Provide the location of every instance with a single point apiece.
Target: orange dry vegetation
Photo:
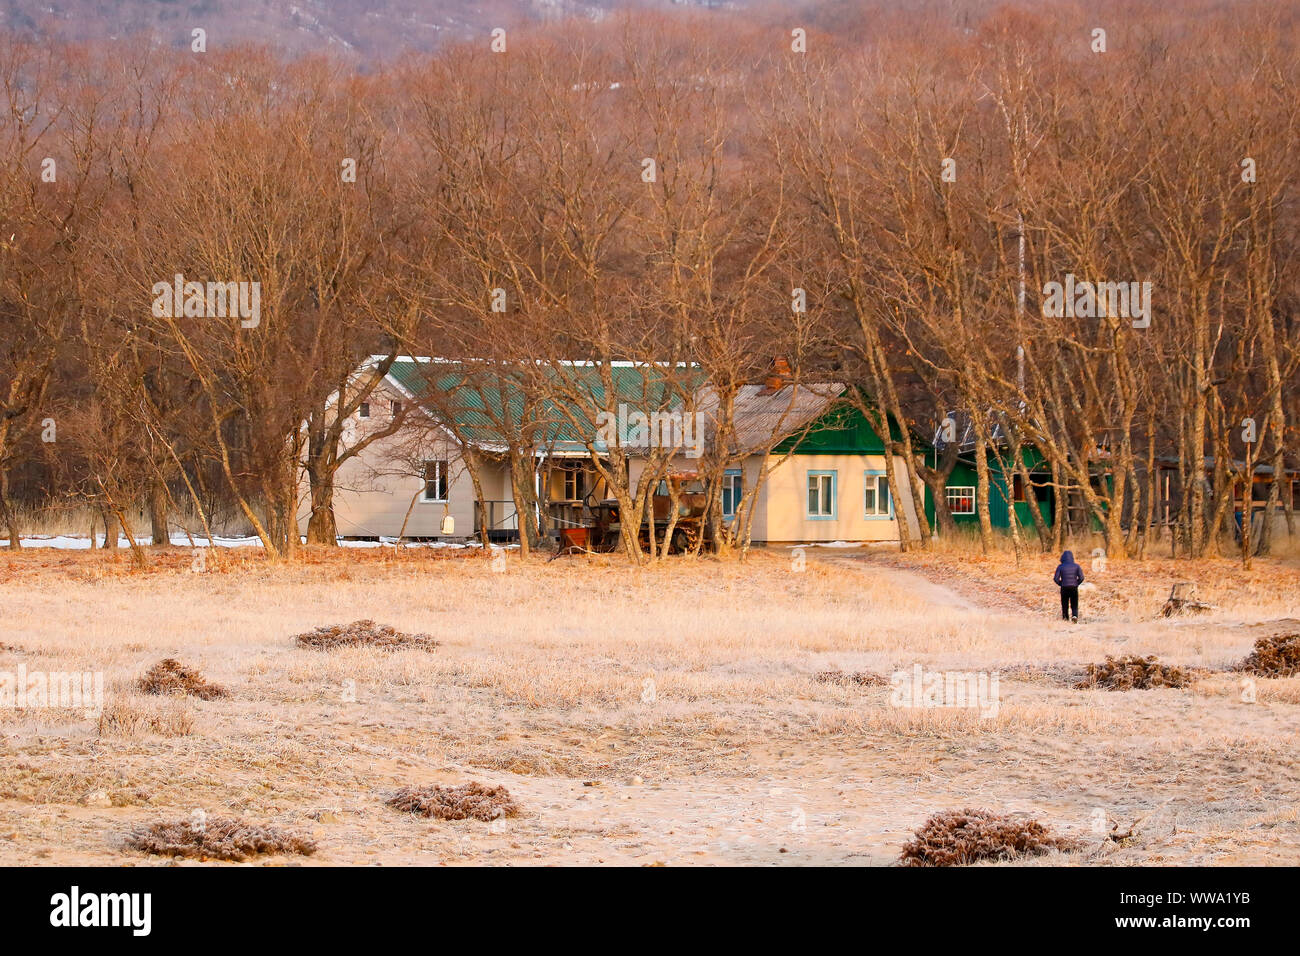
(170, 676)
(364, 633)
(319, 563)
(959, 837)
(219, 839)
(1277, 656)
(1131, 672)
(668, 714)
(469, 800)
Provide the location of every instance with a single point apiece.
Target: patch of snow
(828, 544)
(81, 542)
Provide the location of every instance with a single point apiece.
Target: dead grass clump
(217, 839)
(525, 763)
(855, 679)
(959, 837)
(133, 716)
(170, 676)
(1131, 672)
(1274, 657)
(456, 803)
(363, 634)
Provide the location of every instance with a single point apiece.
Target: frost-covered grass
(636, 714)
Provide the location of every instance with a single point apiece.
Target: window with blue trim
(821, 494)
(876, 501)
(733, 490)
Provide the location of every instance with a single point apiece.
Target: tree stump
(1182, 599)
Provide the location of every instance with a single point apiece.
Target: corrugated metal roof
(485, 401)
(763, 416)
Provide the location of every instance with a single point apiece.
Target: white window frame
(948, 497)
(820, 515)
(363, 410)
(442, 474)
(881, 482)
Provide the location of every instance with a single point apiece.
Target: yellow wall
(785, 501)
(781, 509)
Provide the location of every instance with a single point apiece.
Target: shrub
(170, 676)
(363, 634)
(1135, 673)
(959, 837)
(456, 803)
(217, 839)
(1274, 657)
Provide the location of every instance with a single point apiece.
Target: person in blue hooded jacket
(1068, 577)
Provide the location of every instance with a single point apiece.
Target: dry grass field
(669, 715)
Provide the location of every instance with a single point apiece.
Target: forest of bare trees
(887, 208)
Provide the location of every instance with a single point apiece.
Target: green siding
(964, 474)
(843, 430)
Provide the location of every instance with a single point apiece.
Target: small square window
(397, 409)
(363, 410)
(961, 499)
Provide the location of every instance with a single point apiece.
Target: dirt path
(912, 581)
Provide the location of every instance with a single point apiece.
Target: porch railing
(498, 517)
(501, 519)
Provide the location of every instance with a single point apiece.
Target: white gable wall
(374, 489)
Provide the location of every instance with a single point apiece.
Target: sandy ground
(663, 715)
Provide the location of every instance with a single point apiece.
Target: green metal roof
(481, 402)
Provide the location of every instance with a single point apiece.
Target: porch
(502, 519)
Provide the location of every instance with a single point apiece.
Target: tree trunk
(110, 529)
(9, 516)
(1031, 500)
(158, 515)
(322, 530)
(892, 406)
(1060, 514)
(401, 532)
(982, 485)
(1197, 459)
(522, 492)
(138, 556)
(476, 479)
(895, 481)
